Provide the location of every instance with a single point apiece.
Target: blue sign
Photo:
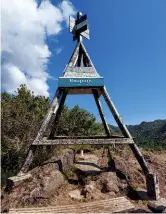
(80, 82)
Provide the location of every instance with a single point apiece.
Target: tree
(21, 115)
(77, 122)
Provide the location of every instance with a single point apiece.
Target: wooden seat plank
(119, 204)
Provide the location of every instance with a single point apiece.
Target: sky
(127, 47)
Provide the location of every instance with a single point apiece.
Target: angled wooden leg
(53, 109)
(99, 106)
(58, 114)
(29, 159)
(125, 131)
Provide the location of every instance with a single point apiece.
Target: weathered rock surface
(51, 183)
(90, 191)
(5, 203)
(46, 180)
(76, 194)
(157, 206)
(88, 164)
(108, 182)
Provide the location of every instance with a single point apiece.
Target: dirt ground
(118, 159)
(124, 161)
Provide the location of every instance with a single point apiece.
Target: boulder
(60, 162)
(76, 194)
(67, 158)
(158, 205)
(111, 187)
(112, 194)
(51, 183)
(90, 187)
(108, 182)
(90, 191)
(43, 182)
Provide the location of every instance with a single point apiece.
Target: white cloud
(25, 53)
(67, 10)
(58, 50)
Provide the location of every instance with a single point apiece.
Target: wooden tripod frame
(81, 59)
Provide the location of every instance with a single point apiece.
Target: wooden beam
(80, 59)
(86, 137)
(89, 62)
(140, 158)
(85, 141)
(125, 131)
(115, 114)
(52, 110)
(99, 106)
(58, 114)
(28, 159)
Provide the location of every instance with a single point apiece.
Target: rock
(88, 164)
(112, 194)
(108, 177)
(108, 182)
(90, 187)
(158, 205)
(123, 184)
(43, 183)
(67, 158)
(5, 203)
(111, 187)
(90, 191)
(76, 194)
(36, 193)
(51, 183)
(60, 162)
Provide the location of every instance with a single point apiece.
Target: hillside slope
(148, 134)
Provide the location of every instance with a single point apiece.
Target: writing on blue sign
(80, 80)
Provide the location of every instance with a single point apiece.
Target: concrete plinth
(152, 185)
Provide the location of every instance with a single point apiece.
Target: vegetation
(150, 135)
(22, 116)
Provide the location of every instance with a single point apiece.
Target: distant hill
(148, 134)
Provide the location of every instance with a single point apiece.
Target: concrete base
(152, 184)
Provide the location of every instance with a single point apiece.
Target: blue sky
(127, 47)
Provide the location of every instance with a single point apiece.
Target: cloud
(67, 10)
(58, 50)
(25, 53)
